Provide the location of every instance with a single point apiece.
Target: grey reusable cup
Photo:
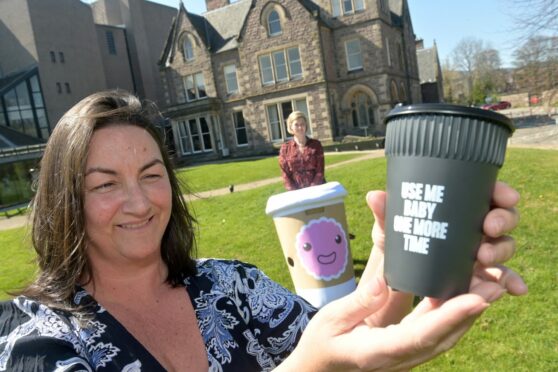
(442, 163)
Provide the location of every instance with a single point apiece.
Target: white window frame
(348, 56)
(346, 7)
(274, 21)
(273, 64)
(230, 76)
(237, 128)
(197, 81)
(185, 135)
(298, 103)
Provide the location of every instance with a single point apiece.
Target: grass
(516, 334)
(219, 175)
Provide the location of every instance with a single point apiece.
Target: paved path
(21, 220)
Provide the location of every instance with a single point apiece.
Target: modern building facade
(234, 74)
(73, 49)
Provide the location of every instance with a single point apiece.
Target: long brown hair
(58, 230)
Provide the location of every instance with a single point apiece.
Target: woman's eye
(152, 176)
(104, 187)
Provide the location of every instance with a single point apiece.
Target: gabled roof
(428, 65)
(226, 25)
(219, 30)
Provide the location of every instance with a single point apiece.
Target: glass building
(22, 106)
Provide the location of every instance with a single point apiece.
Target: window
(110, 42)
(194, 135)
(58, 88)
(22, 109)
(362, 111)
(281, 65)
(187, 49)
(402, 93)
(345, 7)
(68, 90)
(230, 78)
(240, 128)
(353, 53)
(194, 87)
(52, 57)
(273, 24)
(61, 57)
(277, 114)
(388, 52)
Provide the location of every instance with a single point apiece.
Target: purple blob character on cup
(322, 248)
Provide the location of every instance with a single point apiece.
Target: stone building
(234, 74)
(430, 73)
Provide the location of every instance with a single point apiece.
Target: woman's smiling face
(128, 198)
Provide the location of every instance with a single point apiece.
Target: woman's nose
(136, 201)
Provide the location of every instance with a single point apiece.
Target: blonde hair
(293, 117)
(58, 230)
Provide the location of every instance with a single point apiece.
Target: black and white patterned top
(247, 321)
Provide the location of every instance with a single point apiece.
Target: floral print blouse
(247, 321)
(302, 169)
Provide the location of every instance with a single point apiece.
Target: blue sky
(445, 21)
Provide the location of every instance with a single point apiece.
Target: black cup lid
(446, 109)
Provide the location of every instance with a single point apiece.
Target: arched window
(274, 23)
(187, 48)
(362, 111)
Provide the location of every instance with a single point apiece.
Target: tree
(536, 64)
(535, 16)
(480, 66)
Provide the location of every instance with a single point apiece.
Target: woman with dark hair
(118, 287)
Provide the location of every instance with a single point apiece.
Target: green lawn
(215, 176)
(515, 334)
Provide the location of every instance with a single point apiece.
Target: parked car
(502, 105)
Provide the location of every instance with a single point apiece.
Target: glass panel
(190, 91)
(280, 66)
(34, 83)
(294, 62)
(274, 122)
(38, 99)
(363, 120)
(335, 8)
(286, 109)
(111, 46)
(347, 6)
(194, 131)
(188, 50)
(206, 134)
(240, 127)
(11, 100)
(230, 78)
(267, 70)
(200, 84)
(359, 4)
(354, 58)
(274, 23)
(184, 138)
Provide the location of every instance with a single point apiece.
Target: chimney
(215, 4)
(419, 44)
